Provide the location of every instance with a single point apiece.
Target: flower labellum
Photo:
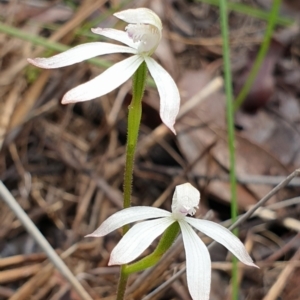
(198, 264)
(141, 37)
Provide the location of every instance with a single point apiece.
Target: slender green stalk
(134, 120)
(260, 56)
(122, 285)
(230, 128)
(164, 244)
(250, 11)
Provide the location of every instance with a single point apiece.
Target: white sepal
(168, 92)
(138, 239)
(126, 216)
(223, 236)
(79, 54)
(198, 264)
(140, 16)
(109, 80)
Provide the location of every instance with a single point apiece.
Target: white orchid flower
(142, 37)
(198, 264)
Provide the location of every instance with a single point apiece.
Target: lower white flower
(198, 264)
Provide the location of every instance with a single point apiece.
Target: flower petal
(223, 236)
(137, 240)
(78, 54)
(168, 92)
(105, 82)
(126, 216)
(118, 35)
(140, 16)
(185, 200)
(198, 264)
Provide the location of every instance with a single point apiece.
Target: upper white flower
(198, 264)
(142, 37)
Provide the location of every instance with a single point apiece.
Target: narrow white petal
(138, 239)
(168, 92)
(223, 236)
(126, 216)
(78, 54)
(117, 35)
(105, 82)
(198, 264)
(140, 16)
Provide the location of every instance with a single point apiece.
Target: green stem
(230, 126)
(122, 285)
(134, 120)
(164, 244)
(260, 56)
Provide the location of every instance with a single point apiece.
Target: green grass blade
(260, 56)
(230, 128)
(250, 11)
